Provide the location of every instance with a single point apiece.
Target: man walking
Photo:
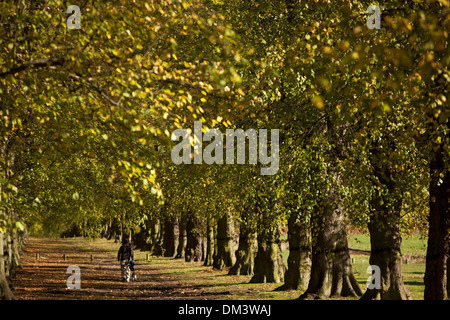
(124, 256)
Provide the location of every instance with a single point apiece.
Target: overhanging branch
(39, 63)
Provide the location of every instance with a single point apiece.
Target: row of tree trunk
(11, 245)
(319, 261)
(11, 239)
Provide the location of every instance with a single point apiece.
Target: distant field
(412, 245)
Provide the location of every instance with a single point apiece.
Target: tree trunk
(384, 227)
(224, 256)
(169, 237)
(142, 239)
(437, 272)
(5, 290)
(120, 235)
(194, 243)
(385, 243)
(448, 274)
(114, 231)
(182, 237)
(331, 268)
(210, 242)
(299, 260)
(157, 236)
(247, 249)
(245, 255)
(107, 230)
(9, 256)
(16, 250)
(269, 264)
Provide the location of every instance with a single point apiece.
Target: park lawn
(237, 287)
(413, 273)
(160, 277)
(413, 245)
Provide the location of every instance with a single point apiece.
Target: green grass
(197, 276)
(412, 273)
(411, 245)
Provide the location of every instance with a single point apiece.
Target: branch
(39, 63)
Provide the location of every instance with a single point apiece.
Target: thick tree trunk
(120, 234)
(16, 248)
(437, 272)
(210, 242)
(157, 235)
(245, 255)
(113, 232)
(169, 237)
(9, 256)
(182, 236)
(248, 246)
(299, 260)
(269, 264)
(142, 240)
(384, 228)
(331, 268)
(385, 242)
(176, 230)
(107, 230)
(5, 290)
(224, 256)
(194, 243)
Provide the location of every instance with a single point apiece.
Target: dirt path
(100, 278)
(159, 278)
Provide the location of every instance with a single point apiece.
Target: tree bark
(247, 248)
(169, 237)
(437, 271)
(384, 226)
(16, 248)
(269, 264)
(142, 240)
(157, 235)
(299, 260)
(331, 268)
(113, 232)
(210, 242)
(194, 243)
(5, 290)
(182, 236)
(224, 256)
(245, 255)
(107, 230)
(385, 252)
(9, 256)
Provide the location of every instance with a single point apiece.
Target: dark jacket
(125, 253)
